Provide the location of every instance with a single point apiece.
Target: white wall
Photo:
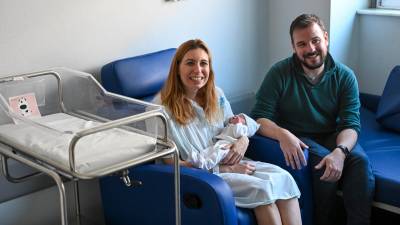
(379, 50)
(84, 35)
(344, 31)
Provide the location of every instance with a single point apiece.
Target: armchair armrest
(205, 197)
(268, 150)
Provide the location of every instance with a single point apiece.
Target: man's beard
(312, 66)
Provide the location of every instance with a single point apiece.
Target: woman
(196, 111)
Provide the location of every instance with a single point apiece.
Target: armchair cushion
(388, 113)
(138, 77)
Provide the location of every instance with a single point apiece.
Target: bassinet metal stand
(6, 153)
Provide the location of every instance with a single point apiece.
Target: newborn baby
(238, 126)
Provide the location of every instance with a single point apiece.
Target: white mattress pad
(93, 152)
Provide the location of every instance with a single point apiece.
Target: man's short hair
(305, 20)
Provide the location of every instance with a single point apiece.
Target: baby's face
(237, 119)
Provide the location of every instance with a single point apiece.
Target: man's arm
(349, 124)
(292, 147)
(334, 161)
(265, 110)
(268, 128)
(347, 138)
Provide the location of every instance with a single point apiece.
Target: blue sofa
(383, 149)
(206, 198)
(380, 138)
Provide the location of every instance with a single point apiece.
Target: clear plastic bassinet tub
(64, 121)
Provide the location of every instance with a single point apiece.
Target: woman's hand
(236, 151)
(244, 168)
(181, 162)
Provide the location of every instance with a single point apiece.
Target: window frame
(388, 4)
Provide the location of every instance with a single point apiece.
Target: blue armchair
(206, 198)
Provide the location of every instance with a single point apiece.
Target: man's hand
(292, 148)
(244, 168)
(236, 151)
(333, 163)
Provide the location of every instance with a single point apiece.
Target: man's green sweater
(289, 99)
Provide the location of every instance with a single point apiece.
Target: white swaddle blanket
(210, 156)
(92, 152)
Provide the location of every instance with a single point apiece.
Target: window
(388, 4)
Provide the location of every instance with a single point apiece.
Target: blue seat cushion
(383, 149)
(388, 113)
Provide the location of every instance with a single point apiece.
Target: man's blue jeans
(357, 184)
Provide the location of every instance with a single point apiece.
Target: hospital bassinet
(65, 125)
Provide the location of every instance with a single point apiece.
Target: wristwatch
(344, 149)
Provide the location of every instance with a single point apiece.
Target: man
(311, 101)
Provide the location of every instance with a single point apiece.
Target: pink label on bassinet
(24, 105)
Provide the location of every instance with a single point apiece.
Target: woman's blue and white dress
(196, 144)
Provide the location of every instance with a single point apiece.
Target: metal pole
(177, 188)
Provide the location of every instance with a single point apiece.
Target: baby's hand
(227, 146)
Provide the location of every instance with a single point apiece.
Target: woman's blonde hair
(173, 92)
